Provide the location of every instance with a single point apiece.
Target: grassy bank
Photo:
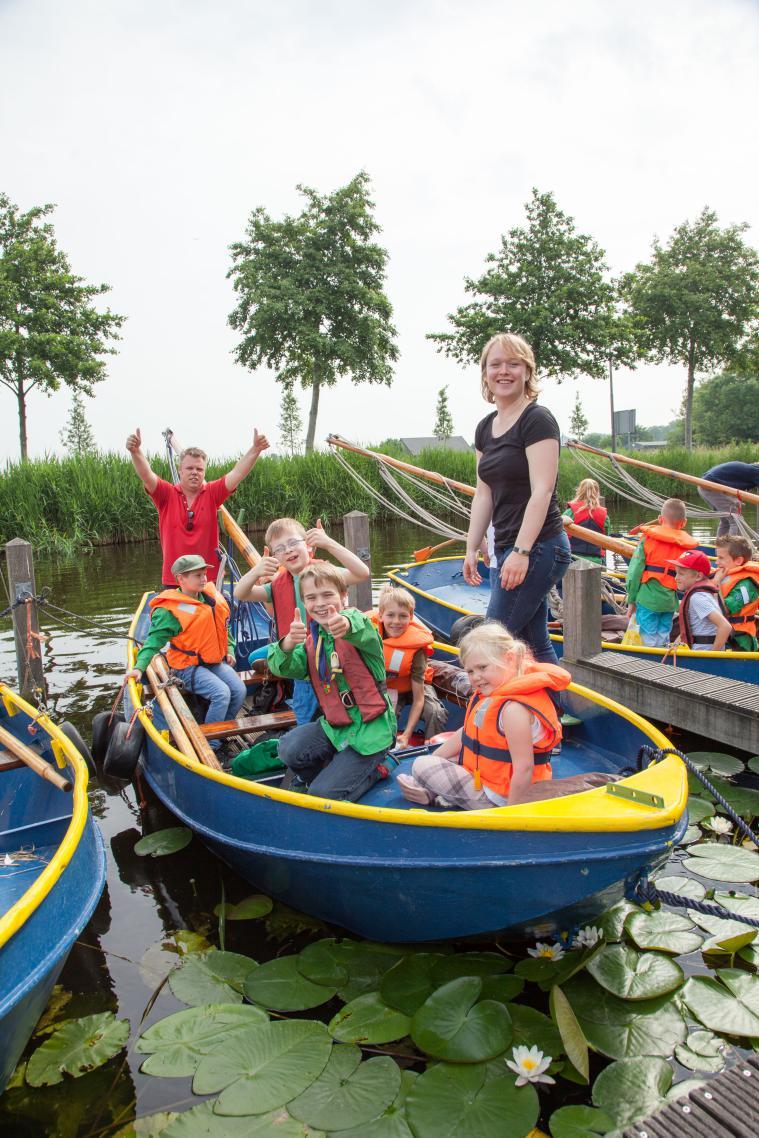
(65, 504)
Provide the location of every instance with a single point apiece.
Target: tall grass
(61, 505)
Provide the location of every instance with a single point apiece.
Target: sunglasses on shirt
(190, 523)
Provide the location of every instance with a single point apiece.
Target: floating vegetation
(77, 1047)
(163, 842)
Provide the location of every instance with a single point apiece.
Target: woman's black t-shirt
(505, 469)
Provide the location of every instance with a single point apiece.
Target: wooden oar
(615, 544)
(201, 746)
(37, 764)
(423, 554)
(173, 722)
(430, 475)
(741, 495)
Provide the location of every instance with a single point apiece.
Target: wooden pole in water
(201, 746)
(581, 590)
(34, 761)
(26, 627)
(356, 536)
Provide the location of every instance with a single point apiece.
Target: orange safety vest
(203, 638)
(746, 619)
(283, 602)
(485, 748)
(662, 544)
(399, 651)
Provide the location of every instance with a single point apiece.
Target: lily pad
(667, 932)
(202, 1122)
(502, 988)
(727, 1005)
(454, 1024)
(175, 1045)
(723, 863)
(409, 982)
(743, 799)
(579, 1122)
(211, 978)
(249, 909)
(532, 1028)
(78, 1046)
(147, 1125)
(392, 1122)
(612, 923)
(753, 764)
(368, 1019)
(632, 1088)
(269, 1065)
(572, 1037)
(469, 964)
(683, 886)
(635, 975)
(159, 960)
(716, 762)
(699, 809)
(691, 835)
(163, 842)
(367, 964)
(348, 1093)
(727, 936)
(278, 984)
(702, 1051)
(325, 962)
(461, 1102)
(621, 1029)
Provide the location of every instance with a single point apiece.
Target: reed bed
(62, 505)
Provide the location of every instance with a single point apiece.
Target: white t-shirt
(699, 606)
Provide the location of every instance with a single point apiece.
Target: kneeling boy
(703, 623)
(406, 644)
(194, 620)
(338, 756)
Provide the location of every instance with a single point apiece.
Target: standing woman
(517, 449)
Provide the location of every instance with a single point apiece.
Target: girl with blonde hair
(585, 510)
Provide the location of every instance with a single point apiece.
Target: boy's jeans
(218, 683)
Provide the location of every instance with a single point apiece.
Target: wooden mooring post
(26, 628)
(356, 536)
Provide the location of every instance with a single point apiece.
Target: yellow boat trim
(593, 811)
(638, 649)
(18, 914)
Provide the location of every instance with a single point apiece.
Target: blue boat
(442, 597)
(52, 871)
(391, 872)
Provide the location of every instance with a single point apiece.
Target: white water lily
(530, 1065)
(588, 937)
(719, 825)
(543, 951)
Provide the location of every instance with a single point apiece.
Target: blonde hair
(674, 508)
(495, 643)
(324, 573)
(394, 595)
(522, 350)
(192, 452)
(280, 526)
(735, 545)
(589, 492)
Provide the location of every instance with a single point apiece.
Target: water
(145, 899)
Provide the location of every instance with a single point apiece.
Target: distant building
(426, 442)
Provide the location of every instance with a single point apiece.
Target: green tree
(311, 300)
(726, 410)
(578, 424)
(77, 436)
(50, 332)
(443, 428)
(549, 284)
(697, 300)
(290, 423)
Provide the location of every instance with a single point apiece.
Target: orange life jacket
(485, 748)
(662, 544)
(203, 638)
(746, 619)
(364, 691)
(283, 602)
(400, 651)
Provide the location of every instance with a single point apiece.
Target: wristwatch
(524, 552)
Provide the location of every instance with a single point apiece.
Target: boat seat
(9, 762)
(249, 725)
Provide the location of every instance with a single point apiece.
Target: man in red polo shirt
(187, 512)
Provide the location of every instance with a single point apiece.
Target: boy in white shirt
(703, 623)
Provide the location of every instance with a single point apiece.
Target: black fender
(123, 753)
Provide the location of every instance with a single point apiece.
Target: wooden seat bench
(249, 725)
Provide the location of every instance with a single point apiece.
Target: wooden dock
(724, 710)
(726, 1106)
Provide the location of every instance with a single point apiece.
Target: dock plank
(726, 1106)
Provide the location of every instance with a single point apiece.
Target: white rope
(386, 503)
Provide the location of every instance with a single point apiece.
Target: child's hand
(718, 575)
(401, 739)
(336, 624)
(298, 632)
(316, 538)
(134, 674)
(630, 611)
(267, 567)
(230, 659)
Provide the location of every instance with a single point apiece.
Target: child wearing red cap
(703, 623)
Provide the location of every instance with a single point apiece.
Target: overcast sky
(156, 126)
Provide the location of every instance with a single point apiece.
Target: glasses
(286, 546)
(190, 523)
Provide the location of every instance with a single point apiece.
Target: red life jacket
(662, 544)
(283, 602)
(594, 519)
(686, 630)
(485, 748)
(746, 619)
(363, 690)
(203, 637)
(399, 651)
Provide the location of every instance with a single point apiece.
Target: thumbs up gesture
(317, 538)
(260, 443)
(336, 624)
(134, 441)
(297, 634)
(266, 568)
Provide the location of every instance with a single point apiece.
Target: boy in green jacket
(340, 651)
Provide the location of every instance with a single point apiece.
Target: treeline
(63, 505)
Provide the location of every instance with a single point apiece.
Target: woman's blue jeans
(524, 610)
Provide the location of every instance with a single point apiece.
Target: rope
(646, 894)
(387, 504)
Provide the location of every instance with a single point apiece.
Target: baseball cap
(188, 563)
(694, 559)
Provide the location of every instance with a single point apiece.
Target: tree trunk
(21, 400)
(313, 412)
(689, 396)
